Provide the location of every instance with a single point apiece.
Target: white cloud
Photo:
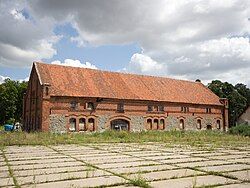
(24, 39)
(2, 78)
(17, 14)
(74, 63)
(144, 64)
(238, 47)
(186, 38)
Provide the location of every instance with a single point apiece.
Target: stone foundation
(58, 124)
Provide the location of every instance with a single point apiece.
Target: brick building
(70, 99)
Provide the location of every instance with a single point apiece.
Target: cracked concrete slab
(117, 164)
(91, 182)
(192, 182)
(223, 168)
(151, 176)
(241, 175)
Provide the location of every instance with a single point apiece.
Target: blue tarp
(8, 127)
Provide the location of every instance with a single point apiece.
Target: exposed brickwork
(44, 111)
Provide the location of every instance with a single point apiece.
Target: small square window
(150, 108)
(208, 110)
(73, 104)
(161, 108)
(90, 106)
(120, 107)
(185, 109)
(156, 108)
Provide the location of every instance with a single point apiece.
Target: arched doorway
(119, 125)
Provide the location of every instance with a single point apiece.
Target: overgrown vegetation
(243, 130)
(201, 138)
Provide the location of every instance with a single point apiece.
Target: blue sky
(185, 40)
(105, 57)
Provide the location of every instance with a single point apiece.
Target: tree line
(11, 99)
(238, 96)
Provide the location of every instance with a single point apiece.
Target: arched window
(82, 124)
(91, 124)
(198, 124)
(72, 124)
(182, 124)
(156, 124)
(218, 124)
(149, 124)
(162, 124)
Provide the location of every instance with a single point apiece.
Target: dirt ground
(124, 165)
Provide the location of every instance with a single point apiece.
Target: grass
(200, 139)
(140, 181)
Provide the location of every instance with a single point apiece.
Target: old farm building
(70, 99)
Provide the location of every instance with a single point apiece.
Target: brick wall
(43, 112)
(135, 112)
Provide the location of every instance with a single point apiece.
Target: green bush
(243, 130)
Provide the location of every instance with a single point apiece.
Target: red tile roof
(83, 82)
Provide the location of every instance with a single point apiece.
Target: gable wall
(32, 104)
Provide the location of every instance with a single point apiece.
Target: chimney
(198, 80)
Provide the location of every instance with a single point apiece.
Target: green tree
(236, 96)
(244, 91)
(11, 100)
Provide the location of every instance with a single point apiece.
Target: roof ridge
(115, 72)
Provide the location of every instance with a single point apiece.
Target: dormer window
(90, 106)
